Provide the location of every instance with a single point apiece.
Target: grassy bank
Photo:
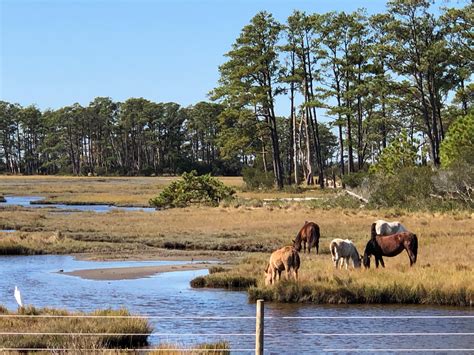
(100, 343)
(137, 325)
(219, 348)
(442, 276)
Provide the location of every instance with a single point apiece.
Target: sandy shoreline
(130, 273)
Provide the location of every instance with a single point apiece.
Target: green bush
(409, 188)
(459, 142)
(192, 188)
(255, 178)
(401, 153)
(355, 179)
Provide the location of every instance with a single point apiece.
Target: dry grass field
(243, 235)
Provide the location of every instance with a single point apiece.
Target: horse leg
(381, 261)
(296, 274)
(304, 244)
(411, 256)
(376, 262)
(411, 248)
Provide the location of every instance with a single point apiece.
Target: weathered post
(259, 329)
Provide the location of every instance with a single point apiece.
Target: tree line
(374, 75)
(408, 68)
(106, 137)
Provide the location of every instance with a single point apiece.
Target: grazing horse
(309, 233)
(345, 250)
(286, 258)
(391, 245)
(382, 227)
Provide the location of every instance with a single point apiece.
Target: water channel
(169, 294)
(32, 201)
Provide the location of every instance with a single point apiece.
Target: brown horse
(309, 233)
(286, 258)
(391, 245)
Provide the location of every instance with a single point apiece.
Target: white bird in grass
(18, 296)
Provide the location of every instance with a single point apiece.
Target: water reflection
(30, 201)
(169, 294)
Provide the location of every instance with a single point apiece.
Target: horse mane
(298, 236)
(371, 247)
(373, 231)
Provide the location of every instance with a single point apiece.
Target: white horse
(345, 250)
(382, 227)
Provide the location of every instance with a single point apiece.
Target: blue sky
(58, 52)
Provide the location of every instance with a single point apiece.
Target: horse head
(367, 253)
(357, 261)
(297, 244)
(366, 260)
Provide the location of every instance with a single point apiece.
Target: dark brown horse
(391, 245)
(309, 233)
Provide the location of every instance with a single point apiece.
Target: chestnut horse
(391, 245)
(309, 233)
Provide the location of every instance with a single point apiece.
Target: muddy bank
(130, 273)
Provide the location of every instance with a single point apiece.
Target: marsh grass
(441, 276)
(204, 229)
(206, 348)
(438, 278)
(137, 325)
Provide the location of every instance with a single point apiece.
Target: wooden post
(259, 329)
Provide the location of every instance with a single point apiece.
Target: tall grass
(442, 276)
(139, 326)
(218, 348)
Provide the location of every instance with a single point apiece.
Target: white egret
(18, 296)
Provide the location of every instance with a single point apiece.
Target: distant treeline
(376, 76)
(130, 138)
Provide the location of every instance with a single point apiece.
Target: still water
(169, 294)
(25, 201)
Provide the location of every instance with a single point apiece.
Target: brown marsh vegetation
(136, 325)
(442, 275)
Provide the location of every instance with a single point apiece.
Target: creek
(169, 294)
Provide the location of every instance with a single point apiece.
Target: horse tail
(415, 247)
(296, 261)
(316, 236)
(373, 231)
